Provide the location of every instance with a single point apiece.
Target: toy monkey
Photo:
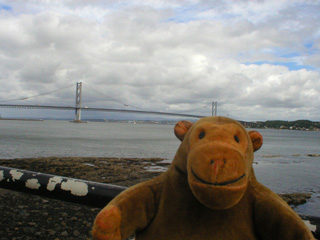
(209, 192)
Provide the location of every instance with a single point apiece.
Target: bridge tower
(77, 117)
(214, 108)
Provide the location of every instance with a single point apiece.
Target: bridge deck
(96, 109)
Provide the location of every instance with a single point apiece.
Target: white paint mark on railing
(16, 175)
(53, 182)
(76, 187)
(33, 183)
(1, 175)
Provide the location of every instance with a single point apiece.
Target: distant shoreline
(21, 119)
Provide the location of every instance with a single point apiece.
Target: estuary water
(282, 163)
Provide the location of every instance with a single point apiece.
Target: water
(282, 162)
(283, 165)
(61, 138)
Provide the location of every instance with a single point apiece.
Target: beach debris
(313, 155)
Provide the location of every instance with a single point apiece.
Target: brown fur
(209, 192)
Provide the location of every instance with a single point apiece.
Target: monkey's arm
(130, 211)
(275, 220)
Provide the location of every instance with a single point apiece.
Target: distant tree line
(298, 124)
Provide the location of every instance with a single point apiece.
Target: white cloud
(166, 56)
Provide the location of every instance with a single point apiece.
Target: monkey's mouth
(217, 183)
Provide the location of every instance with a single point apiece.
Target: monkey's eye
(202, 134)
(236, 138)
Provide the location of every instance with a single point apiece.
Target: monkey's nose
(217, 164)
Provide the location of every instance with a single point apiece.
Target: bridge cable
(38, 95)
(225, 112)
(108, 97)
(192, 109)
(125, 104)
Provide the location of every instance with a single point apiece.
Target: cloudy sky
(258, 59)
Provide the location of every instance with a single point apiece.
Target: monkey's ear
(181, 128)
(256, 140)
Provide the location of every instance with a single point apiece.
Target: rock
(57, 227)
(51, 232)
(64, 224)
(313, 155)
(23, 213)
(295, 198)
(76, 233)
(64, 234)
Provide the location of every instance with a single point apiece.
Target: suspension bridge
(78, 108)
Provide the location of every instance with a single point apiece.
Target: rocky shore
(24, 216)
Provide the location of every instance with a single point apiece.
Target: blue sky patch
(290, 65)
(290, 55)
(5, 7)
(308, 45)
